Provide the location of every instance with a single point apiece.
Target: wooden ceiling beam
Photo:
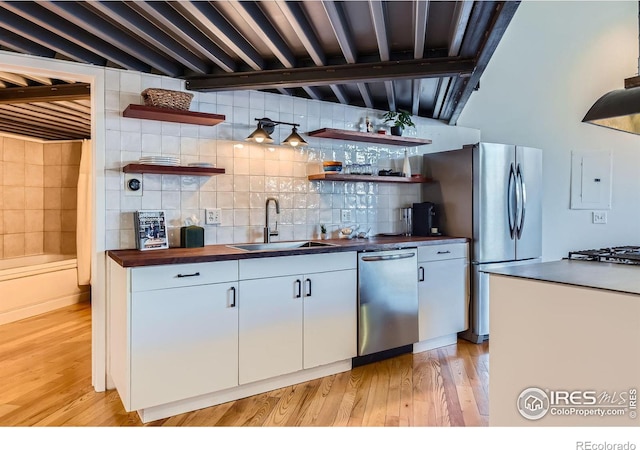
(339, 74)
(503, 13)
(58, 92)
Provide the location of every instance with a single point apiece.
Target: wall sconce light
(266, 126)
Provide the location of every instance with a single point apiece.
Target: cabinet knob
(420, 273)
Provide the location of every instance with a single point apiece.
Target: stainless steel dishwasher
(387, 300)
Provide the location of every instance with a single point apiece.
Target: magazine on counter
(151, 230)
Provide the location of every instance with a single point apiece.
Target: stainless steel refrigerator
(491, 194)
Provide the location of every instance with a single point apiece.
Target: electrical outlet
(599, 217)
(133, 184)
(212, 216)
(345, 215)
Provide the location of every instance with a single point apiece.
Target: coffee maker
(425, 219)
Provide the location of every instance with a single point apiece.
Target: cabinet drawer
(442, 251)
(180, 275)
(292, 265)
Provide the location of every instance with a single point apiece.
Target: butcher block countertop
(590, 274)
(225, 252)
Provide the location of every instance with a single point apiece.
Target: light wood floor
(45, 374)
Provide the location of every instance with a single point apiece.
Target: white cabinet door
(330, 317)
(442, 297)
(270, 332)
(184, 343)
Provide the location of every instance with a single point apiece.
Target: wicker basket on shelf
(164, 98)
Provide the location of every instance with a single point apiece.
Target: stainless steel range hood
(619, 109)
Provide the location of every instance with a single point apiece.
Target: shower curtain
(85, 217)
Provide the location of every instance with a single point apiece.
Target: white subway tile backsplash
(300, 232)
(256, 217)
(187, 130)
(241, 200)
(170, 183)
(189, 200)
(150, 81)
(171, 200)
(253, 172)
(150, 143)
(130, 141)
(130, 203)
(241, 217)
(152, 199)
(173, 84)
(224, 200)
(256, 166)
(271, 167)
(241, 166)
(170, 129)
(127, 239)
(112, 100)
(257, 200)
(256, 101)
(130, 82)
(151, 127)
(188, 146)
(325, 216)
(170, 145)
(210, 235)
(241, 183)
(210, 132)
(257, 183)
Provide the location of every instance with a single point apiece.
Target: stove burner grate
(628, 254)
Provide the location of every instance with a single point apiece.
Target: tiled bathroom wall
(254, 172)
(61, 169)
(37, 197)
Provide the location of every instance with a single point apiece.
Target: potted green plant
(400, 120)
(323, 232)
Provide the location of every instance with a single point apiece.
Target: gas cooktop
(628, 254)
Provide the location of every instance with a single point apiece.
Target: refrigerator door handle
(511, 195)
(523, 200)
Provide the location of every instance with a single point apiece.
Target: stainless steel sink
(292, 245)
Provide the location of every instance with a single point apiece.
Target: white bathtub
(33, 285)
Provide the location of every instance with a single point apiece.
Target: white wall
(254, 172)
(555, 60)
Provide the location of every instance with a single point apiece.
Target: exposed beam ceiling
(345, 73)
(423, 56)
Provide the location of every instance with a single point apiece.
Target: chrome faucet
(267, 230)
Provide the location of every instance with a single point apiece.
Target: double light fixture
(619, 109)
(266, 126)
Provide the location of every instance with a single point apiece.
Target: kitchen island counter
(564, 335)
(598, 275)
(226, 252)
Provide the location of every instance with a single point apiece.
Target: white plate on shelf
(160, 160)
(201, 164)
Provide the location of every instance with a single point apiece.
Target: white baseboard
(247, 390)
(442, 341)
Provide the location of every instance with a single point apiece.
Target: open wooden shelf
(377, 179)
(374, 138)
(172, 115)
(171, 170)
